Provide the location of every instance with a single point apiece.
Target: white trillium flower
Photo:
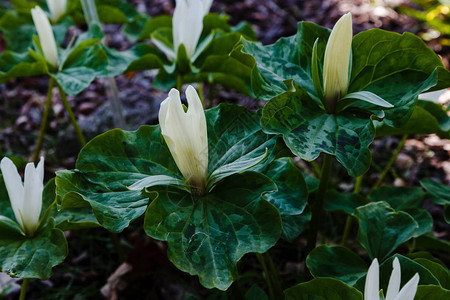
(186, 136)
(337, 60)
(45, 33)
(371, 290)
(57, 8)
(26, 198)
(187, 24)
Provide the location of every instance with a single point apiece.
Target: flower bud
(371, 289)
(57, 8)
(187, 24)
(337, 61)
(45, 33)
(26, 199)
(186, 136)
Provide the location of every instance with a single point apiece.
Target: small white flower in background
(186, 136)
(26, 198)
(371, 290)
(187, 24)
(45, 33)
(57, 8)
(337, 59)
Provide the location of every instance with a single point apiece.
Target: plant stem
(179, 82)
(72, 118)
(266, 275)
(318, 202)
(348, 222)
(23, 289)
(48, 104)
(277, 289)
(391, 161)
(116, 241)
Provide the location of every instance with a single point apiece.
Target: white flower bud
(371, 289)
(57, 8)
(337, 60)
(187, 24)
(186, 136)
(26, 199)
(45, 33)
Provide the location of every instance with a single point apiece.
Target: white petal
(394, 281)
(57, 8)
(187, 24)
(371, 289)
(32, 205)
(409, 290)
(186, 135)
(337, 58)
(207, 6)
(14, 186)
(45, 33)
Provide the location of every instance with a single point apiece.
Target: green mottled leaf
(440, 272)
(431, 292)
(430, 242)
(440, 193)
(408, 269)
(345, 202)
(291, 197)
(308, 131)
(112, 162)
(208, 235)
(382, 229)
(31, 257)
(399, 197)
(428, 117)
(423, 219)
(336, 262)
(323, 289)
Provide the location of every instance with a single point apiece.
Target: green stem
(266, 275)
(316, 168)
(211, 95)
(48, 104)
(116, 241)
(72, 118)
(179, 85)
(348, 222)
(318, 202)
(277, 289)
(23, 289)
(391, 161)
(200, 94)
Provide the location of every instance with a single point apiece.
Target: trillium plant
(225, 192)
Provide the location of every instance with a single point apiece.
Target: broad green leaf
(431, 292)
(345, 202)
(408, 269)
(31, 257)
(291, 197)
(323, 289)
(440, 193)
(382, 229)
(423, 219)
(399, 197)
(441, 273)
(15, 65)
(427, 117)
(308, 131)
(141, 27)
(336, 262)
(206, 236)
(255, 292)
(430, 242)
(115, 160)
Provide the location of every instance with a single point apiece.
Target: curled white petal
(185, 134)
(394, 281)
(409, 289)
(26, 199)
(57, 8)
(187, 24)
(371, 289)
(337, 59)
(45, 33)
